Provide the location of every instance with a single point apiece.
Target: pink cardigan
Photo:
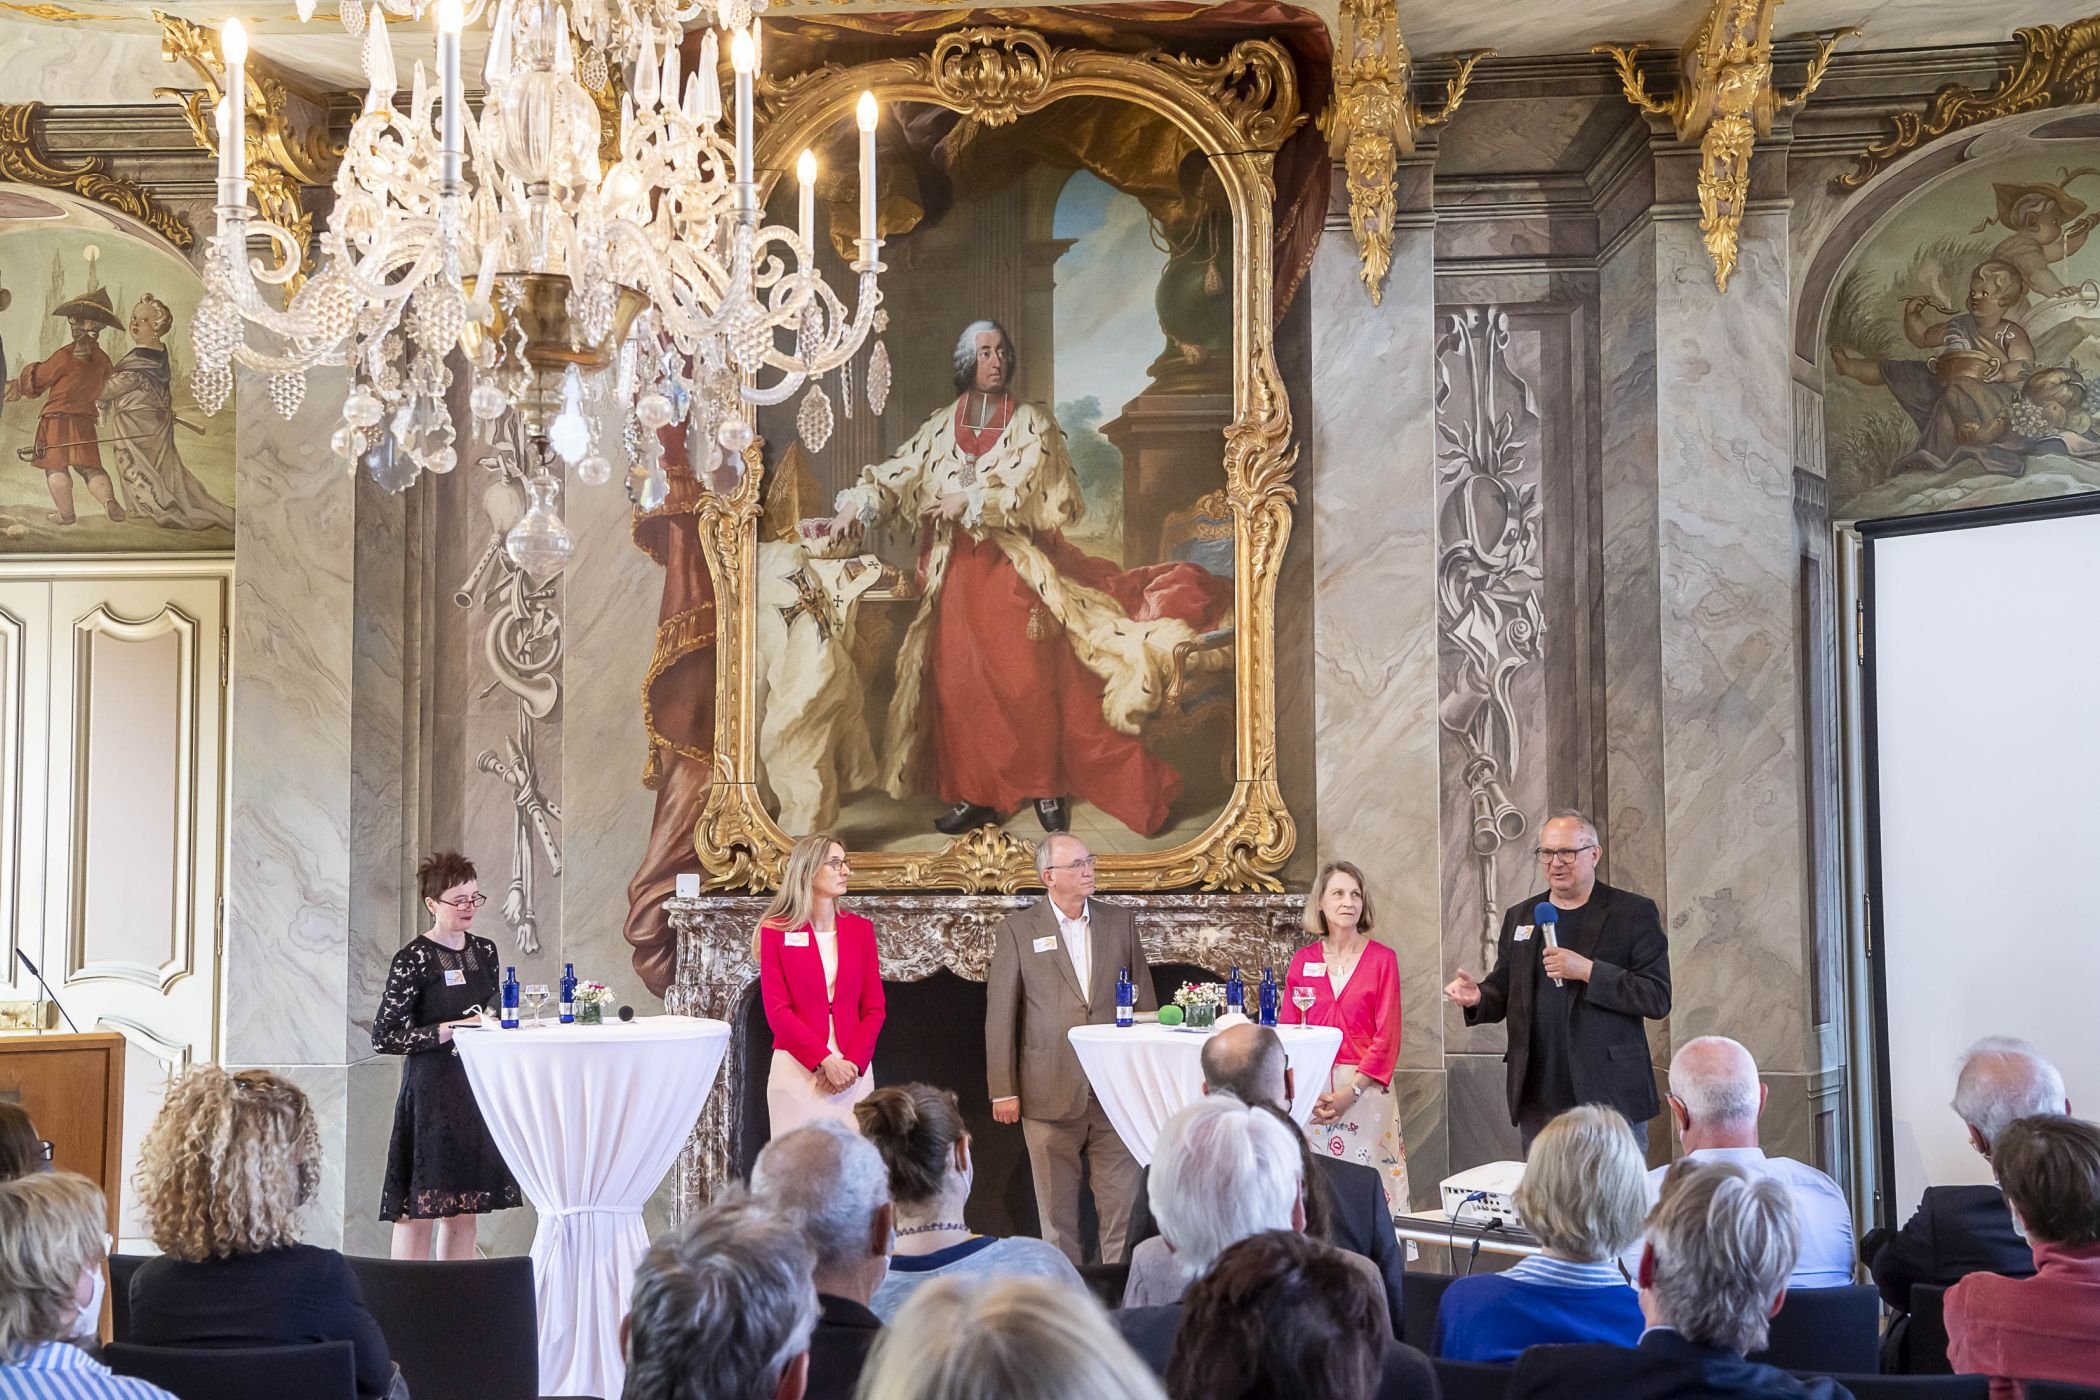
(2044, 1328)
(791, 982)
(1368, 1011)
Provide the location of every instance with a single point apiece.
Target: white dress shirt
(1077, 935)
(1827, 1254)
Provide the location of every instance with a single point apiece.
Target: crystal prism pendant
(539, 543)
(813, 419)
(878, 384)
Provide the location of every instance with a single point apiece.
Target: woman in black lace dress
(442, 1165)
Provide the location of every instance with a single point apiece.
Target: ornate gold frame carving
(1373, 120)
(1238, 110)
(24, 160)
(1725, 100)
(285, 130)
(2058, 66)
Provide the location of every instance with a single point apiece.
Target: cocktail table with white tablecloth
(1143, 1073)
(590, 1119)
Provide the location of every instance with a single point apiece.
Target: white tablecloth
(590, 1118)
(1143, 1073)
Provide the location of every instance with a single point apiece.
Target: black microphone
(47, 989)
(627, 1013)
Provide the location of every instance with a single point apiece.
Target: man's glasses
(471, 901)
(1083, 863)
(1548, 855)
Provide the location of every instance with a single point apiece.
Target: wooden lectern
(73, 1087)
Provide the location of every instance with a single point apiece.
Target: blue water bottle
(1269, 997)
(1126, 998)
(568, 993)
(1235, 993)
(510, 998)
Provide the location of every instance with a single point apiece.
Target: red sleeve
(1384, 1049)
(790, 1031)
(873, 1005)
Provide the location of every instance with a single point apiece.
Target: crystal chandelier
(648, 288)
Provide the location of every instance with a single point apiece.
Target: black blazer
(1359, 1220)
(1404, 1373)
(1664, 1366)
(1608, 1048)
(838, 1349)
(1956, 1231)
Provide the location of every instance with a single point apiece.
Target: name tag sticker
(1318, 969)
(455, 978)
(1047, 943)
(797, 940)
(1524, 933)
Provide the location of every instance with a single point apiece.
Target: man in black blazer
(1713, 1271)
(1249, 1063)
(1961, 1230)
(1575, 1010)
(832, 1181)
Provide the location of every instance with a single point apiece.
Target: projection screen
(1982, 697)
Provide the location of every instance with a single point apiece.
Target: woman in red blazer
(822, 985)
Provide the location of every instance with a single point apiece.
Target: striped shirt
(1537, 1268)
(61, 1371)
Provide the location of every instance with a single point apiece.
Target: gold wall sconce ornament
(285, 131)
(2058, 66)
(25, 161)
(1373, 120)
(1725, 101)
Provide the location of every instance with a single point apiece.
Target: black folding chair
(1421, 1294)
(1470, 1380)
(322, 1371)
(1828, 1331)
(1910, 1387)
(425, 1307)
(121, 1268)
(2060, 1390)
(1107, 1282)
(1925, 1333)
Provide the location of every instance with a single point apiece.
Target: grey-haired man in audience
(831, 1181)
(722, 1310)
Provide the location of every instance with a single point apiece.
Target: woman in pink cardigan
(1355, 984)
(822, 985)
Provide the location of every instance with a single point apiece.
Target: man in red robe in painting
(1031, 665)
(69, 382)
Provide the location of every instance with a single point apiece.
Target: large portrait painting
(102, 447)
(1965, 341)
(1004, 588)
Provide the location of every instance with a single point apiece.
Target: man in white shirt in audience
(1716, 1100)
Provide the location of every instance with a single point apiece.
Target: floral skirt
(1368, 1133)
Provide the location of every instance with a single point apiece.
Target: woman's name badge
(797, 940)
(455, 978)
(1318, 969)
(1047, 943)
(1523, 934)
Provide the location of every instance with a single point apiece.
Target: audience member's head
(21, 1150)
(1278, 1314)
(722, 1309)
(919, 1131)
(1222, 1171)
(1720, 1245)
(227, 1164)
(1014, 1338)
(1248, 1062)
(1715, 1095)
(1585, 1186)
(831, 1181)
(2049, 1169)
(2002, 1079)
(51, 1252)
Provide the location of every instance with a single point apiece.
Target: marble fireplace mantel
(917, 936)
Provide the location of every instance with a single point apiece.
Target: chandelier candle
(806, 204)
(743, 56)
(865, 115)
(451, 92)
(233, 149)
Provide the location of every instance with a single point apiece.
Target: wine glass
(536, 997)
(1302, 997)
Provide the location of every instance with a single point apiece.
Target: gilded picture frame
(1237, 110)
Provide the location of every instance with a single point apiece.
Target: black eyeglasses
(45, 1147)
(472, 901)
(1549, 854)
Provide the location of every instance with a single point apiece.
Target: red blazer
(1368, 1011)
(791, 980)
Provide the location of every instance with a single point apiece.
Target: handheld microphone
(47, 990)
(1547, 917)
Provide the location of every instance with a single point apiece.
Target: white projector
(1484, 1193)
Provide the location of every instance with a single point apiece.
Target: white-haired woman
(1584, 1194)
(138, 419)
(1016, 1338)
(821, 982)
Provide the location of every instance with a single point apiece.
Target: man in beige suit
(1054, 966)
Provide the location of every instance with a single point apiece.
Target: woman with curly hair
(222, 1174)
(442, 1165)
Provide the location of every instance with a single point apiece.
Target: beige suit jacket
(1033, 1000)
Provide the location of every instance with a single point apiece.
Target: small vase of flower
(1200, 1003)
(591, 1000)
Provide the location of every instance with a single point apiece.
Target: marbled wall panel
(1731, 710)
(383, 752)
(75, 66)
(1425, 1131)
(1479, 1109)
(288, 892)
